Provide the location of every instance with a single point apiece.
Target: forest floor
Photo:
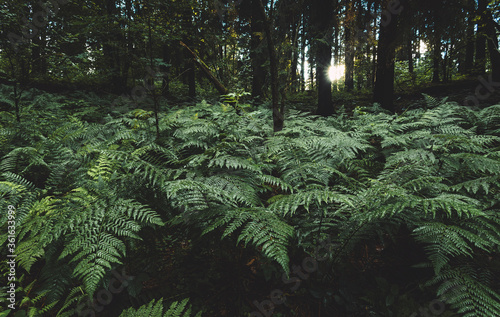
(465, 92)
(219, 275)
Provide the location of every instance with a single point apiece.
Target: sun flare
(336, 72)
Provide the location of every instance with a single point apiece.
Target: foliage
(86, 194)
(155, 309)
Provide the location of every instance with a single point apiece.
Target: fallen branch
(218, 85)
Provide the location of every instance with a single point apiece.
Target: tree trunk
(164, 69)
(38, 49)
(323, 60)
(436, 60)
(469, 49)
(445, 64)
(480, 66)
(336, 46)
(411, 66)
(349, 48)
(190, 75)
(257, 56)
(321, 19)
(493, 48)
(128, 42)
(349, 60)
(278, 115)
(110, 48)
(303, 56)
(383, 91)
(373, 71)
(311, 68)
(295, 55)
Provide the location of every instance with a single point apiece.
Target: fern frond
(155, 309)
(467, 294)
(262, 228)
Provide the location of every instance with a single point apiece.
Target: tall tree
(257, 50)
(436, 57)
(350, 42)
(278, 112)
(492, 29)
(482, 18)
(468, 64)
(322, 16)
(383, 92)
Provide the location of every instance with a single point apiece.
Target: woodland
(250, 158)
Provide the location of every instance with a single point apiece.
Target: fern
(156, 309)
(467, 292)
(86, 194)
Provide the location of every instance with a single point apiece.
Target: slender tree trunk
(303, 56)
(323, 60)
(411, 66)
(191, 76)
(165, 70)
(349, 48)
(128, 43)
(152, 84)
(311, 68)
(373, 72)
(295, 55)
(321, 18)
(469, 49)
(257, 56)
(17, 94)
(436, 59)
(445, 63)
(221, 71)
(110, 51)
(37, 50)
(493, 48)
(278, 113)
(336, 46)
(481, 37)
(349, 60)
(383, 92)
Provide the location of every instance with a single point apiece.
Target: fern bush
(87, 194)
(155, 309)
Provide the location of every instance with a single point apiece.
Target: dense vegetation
(408, 204)
(250, 158)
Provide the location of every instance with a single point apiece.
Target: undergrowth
(93, 198)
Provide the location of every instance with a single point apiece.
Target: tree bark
(303, 56)
(257, 51)
(110, 51)
(165, 70)
(383, 91)
(349, 62)
(469, 49)
(349, 48)
(38, 49)
(480, 66)
(436, 59)
(493, 48)
(191, 78)
(321, 19)
(411, 66)
(295, 55)
(311, 68)
(278, 115)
